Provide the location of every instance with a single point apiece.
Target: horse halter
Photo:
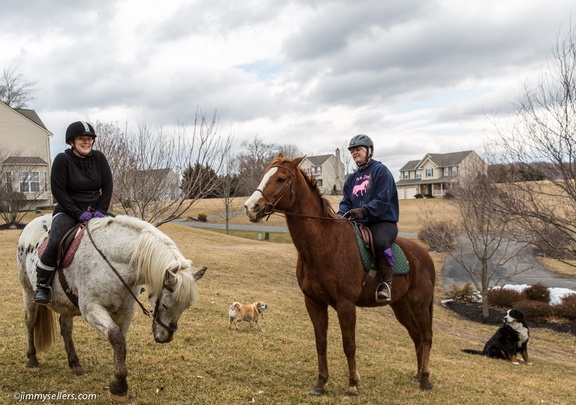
(156, 318)
(288, 185)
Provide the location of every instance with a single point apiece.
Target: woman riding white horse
(115, 258)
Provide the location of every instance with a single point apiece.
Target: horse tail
(45, 329)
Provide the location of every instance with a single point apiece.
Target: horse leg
(66, 327)
(30, 321)
(318, 313)
(347, 318)
(417, 319)
(98, 317)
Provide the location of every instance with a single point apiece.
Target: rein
(149, 314)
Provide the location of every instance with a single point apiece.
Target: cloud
(417, 76)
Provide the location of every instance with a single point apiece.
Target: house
(328, 170)
(25, 160)
(436, 173)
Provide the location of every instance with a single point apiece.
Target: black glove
(357, 213)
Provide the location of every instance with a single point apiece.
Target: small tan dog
(246, 312)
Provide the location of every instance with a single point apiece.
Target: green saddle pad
(401, 267)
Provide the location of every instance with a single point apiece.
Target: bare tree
(15, 90)
(541, 138)
(147, 166)
(253, 162)
(229, 185)
(290, 151)
(485, 243)
(349, 165)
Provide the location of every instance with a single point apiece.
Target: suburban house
(328, 170)
(436, 173)
(25, 160)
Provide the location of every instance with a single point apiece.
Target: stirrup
(49, 288)
(383, 287)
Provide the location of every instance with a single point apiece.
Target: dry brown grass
(208, 364)
(412, 212)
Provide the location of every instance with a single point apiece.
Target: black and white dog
(509, 340)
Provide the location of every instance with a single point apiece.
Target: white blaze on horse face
(256, 195)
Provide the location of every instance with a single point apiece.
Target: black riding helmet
(79, 128)
(362, 140)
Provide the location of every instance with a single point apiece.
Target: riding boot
(43, 289)
(384, 291)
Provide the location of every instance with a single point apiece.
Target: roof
(24, 160)
(318, 160)
(447, 159)
(411, 165)
(32, 116)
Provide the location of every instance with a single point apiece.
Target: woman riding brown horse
(330, 271)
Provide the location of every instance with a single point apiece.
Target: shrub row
(533, 301)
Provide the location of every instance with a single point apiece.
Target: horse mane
(154, 255)
(313, 185)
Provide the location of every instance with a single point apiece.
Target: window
(29, 182)
(9, 182)
(406, 175)
(454, 170)
(318, 170)
(418, 174)
(429, 172)
(320, 183)
(446, 171)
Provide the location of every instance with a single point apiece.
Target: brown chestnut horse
(330, 271)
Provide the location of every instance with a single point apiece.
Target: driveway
(528, 270)
(452, 272)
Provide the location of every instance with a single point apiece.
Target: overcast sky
(417, 76)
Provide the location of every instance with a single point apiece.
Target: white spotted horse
(106, 275)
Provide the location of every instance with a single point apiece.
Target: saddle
(66, 251)
(368, 254)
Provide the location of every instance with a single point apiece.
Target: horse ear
(280, 155)
(198, 274)
(170, 279)
(299, 160)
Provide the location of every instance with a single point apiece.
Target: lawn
(208, 364)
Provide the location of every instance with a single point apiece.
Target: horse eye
(281, 180)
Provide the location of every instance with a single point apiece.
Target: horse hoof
(120, 398)
(33, 364)
(350, 392)
(317, 392)
(78, 370)
(426, 386)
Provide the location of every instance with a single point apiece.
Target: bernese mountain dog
(509, 340)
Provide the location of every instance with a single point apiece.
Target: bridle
(150, 314)
(156, 318)
(271, 205)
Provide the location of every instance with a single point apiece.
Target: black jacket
(78, 183)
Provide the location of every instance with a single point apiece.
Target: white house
(436, 173)
(25, 160)
(328, 170)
